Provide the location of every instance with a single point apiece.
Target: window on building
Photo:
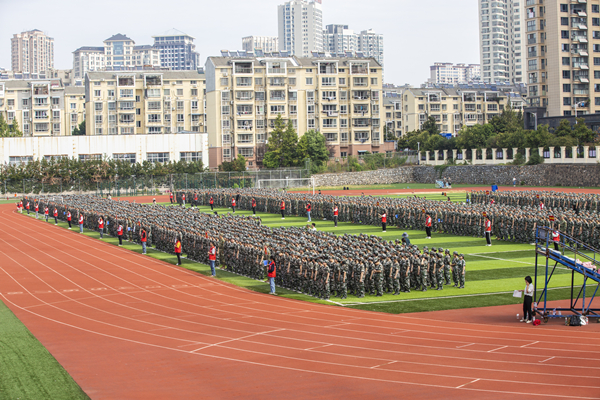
(565, 75)
(157, 157)
(566, 101)
(564, 21)
(190, 156)
(566, 61)
(246, 152)
(564, 8)
(126, 157)
(566, 88)
(564, 34)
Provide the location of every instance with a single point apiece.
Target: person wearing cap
(460, 269)
(447, 267)
(423, 266)
(454, 266)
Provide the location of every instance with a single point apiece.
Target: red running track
(128, 326)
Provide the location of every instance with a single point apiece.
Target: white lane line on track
(377, 366)
(236, 339)
(499, 348)
(318, 347)
(468, 383)
(529, 344)
(466, 345)
(548, 359)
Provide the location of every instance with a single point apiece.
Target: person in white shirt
(527, 300)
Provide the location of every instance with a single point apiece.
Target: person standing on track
(171, 197)
(212, 258)
(253, 206)
(383, 217)
(46, 212)
(69, 218)
(308, 210)
(335, 214)
(120, 234)
(428, 226)
(178, 250)
(272, 273)
(101, 227)
(211, 202)
(80, 223)
(488, 231)
(527, 300)
(282, 207)
(37, 209)
(144, 240)
(55, 214)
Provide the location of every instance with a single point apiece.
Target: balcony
(375, 143)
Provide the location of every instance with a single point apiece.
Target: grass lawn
(27, 369)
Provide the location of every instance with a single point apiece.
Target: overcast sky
(417, 33)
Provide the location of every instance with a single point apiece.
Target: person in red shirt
(20, 206)
(55, 214)
(27, 207)
(212, 258)
(69, 218)
(46, 212)
(37, 209)
(335, 214)
(144, 239)
(272, 273)
(80, 223)
(233, 204)
(120, 234)
(383, 217)
(178, 251)
(282, 209)
(171, 197)
(556, 239)
(428, 225)
(541, 205)
(488, 231)
(101, 227)
(253, 206)
(183, 199)
(211, 202)
(308, 210)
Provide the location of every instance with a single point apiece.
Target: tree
(3, 126)
(388, 134)
(563, 129)
(80, 131)
(507, 121)
(14, 129)
(474, 137)
(239, 164)
(313, 145)
(582, 133)
(430, 126)
(282, 146)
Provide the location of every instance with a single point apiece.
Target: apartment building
(392, 108)
(119, 53)
(300, 29)
(561, 72)
(455, 107)
(144, 102)
(370, 44)
(41, 107)
(501, 36)
(267, 44)
(448, 73)
(338, 39)
(32, 52)
(177, 51)
(340, 97)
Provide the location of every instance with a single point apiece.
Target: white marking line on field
(441, 297)
(468, 383)
(340, 324)
(499, 348)
(503, 259)
(335, 302)
(465, 345)
(529, 344)
(381, 365)
(548, 359)
(233, 340)
(318, 347)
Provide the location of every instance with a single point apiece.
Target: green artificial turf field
(27, 369)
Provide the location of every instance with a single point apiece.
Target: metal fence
(147, 185)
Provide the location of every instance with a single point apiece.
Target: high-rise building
(339, 97)
(448, 73)
(119, 53)
(501, 36)
(177, 51)
(561, 73)
(338, 39)
(267, 44)
(32, 52)
(300, 27)
(371, 45)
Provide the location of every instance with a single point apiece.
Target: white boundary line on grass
(435, 298)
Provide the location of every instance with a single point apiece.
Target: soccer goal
(285, 183)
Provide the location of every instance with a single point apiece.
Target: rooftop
(174, 32)
(118, 37)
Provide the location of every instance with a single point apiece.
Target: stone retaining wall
(530, 175)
